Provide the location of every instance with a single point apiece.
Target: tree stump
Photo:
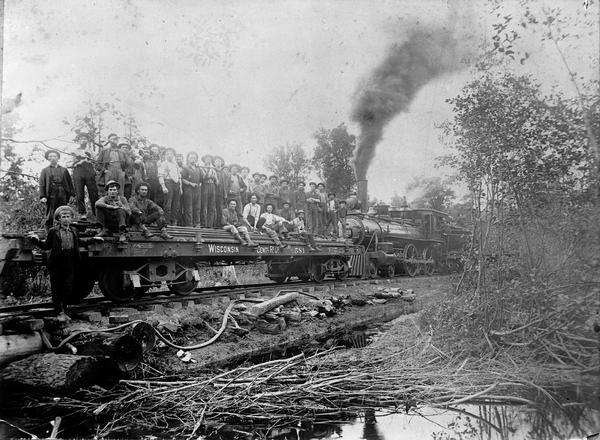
(54, 372)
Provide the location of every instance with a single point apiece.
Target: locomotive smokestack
(363, 194)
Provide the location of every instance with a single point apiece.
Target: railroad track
(166, 296)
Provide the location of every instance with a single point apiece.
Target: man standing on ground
(56, 186)
(84, 175)
(63, 259)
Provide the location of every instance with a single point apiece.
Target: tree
(430, 192)
(289, 161)
(332, 158)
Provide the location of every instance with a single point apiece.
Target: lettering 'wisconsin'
(220, 249)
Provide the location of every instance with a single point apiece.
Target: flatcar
(126, 270)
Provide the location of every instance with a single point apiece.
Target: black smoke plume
(426, 54)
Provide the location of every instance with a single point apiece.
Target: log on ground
(123, 349)
(55, 372)
(14, 347)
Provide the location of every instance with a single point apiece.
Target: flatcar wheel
(279, 279)
(371, 270)
(113, 286)
(411, 266)
(342, 275)
(183, 287)
(316, 273)
(390, 271)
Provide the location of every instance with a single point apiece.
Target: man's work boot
(312, 249)
(250, 242)
(146, 232)
(239, 238)
(282, 245)
(165, 235)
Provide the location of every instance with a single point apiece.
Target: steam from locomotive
(393, 84)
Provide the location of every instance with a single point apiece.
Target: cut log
(121, 348)
(144, 334)
(270, 304)
(14, 347)
(54, 372)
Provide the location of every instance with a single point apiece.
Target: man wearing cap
(64, 257)
(151, 163)
(220, 194)
(56, 186)
(208, 204)
(286, 194)
(299, 228)
(112, 211)
(114, 162)
(313, 199)
(235, 186)
(84, 175)
(236, 225)
(331, 226)
(251, 211)
(191, 177)
(169, 177)
(272, 192)
(145, 212)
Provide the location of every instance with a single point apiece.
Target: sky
(238, 78)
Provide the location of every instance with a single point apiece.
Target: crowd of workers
(133, 186)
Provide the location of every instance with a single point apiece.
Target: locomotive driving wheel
(371, 270)
(114, 286)
(411, 257)
(429, 264)
(390, 271)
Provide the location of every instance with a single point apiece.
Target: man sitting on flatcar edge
(56, 186)
(64, 257)
(236, 225)
(299, 228)
(145, 212)
(261, 227)
(112, 211)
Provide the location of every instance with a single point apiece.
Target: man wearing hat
(235, 186)
(331, 225)
(258, 187)
(208, 189)
(64, 257)
(56, 186)
(286, 194)
(272, 192)
(322, 208)
(236, 225)
(169, 177)
(299, 197)
(191, 177)
(313, 199)
(251, 211)
(274, 221)
(220, 194)
(342, 213)
(84, 175)
(299, 227)
(112, 211)
(286, 212)
(245, 174)
(352, 202)
(145, 212)
(114, 161)
(151, 163)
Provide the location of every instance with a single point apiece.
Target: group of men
(134, 186)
